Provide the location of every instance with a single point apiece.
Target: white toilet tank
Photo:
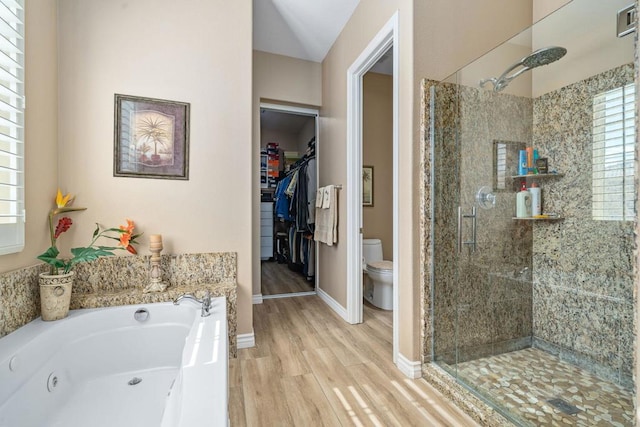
(371, 250)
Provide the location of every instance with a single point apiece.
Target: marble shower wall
(579, 301)
(485, 292)
(582, 268)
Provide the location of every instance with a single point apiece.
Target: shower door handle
(474, 217)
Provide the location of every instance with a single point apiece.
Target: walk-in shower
(540, 57)
(535, 314)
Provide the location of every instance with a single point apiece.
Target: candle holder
(156, 284)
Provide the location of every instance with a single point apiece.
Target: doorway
(288, 183)
(386, 41)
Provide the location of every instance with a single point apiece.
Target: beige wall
(287, 80)
(283, 80)
(41, 140)
(367, 20)
(190, 51)
(377, 151)
(542, 8)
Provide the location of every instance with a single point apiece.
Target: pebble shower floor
(523, 382)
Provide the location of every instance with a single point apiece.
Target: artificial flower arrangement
(123, 234)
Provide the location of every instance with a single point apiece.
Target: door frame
(306, 111)
(387, 38)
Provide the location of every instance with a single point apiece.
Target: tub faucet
(205, 302)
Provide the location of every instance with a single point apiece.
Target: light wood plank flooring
(310, 368)
(279, 279)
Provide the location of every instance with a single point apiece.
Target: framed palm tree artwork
(151, 138)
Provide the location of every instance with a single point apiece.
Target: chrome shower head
(543, 56)
(540, 57)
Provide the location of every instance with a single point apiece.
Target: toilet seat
(381, 266)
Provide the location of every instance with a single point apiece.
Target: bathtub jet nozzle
(135, 381)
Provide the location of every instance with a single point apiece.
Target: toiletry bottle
(529, 151)
(523, 202)
(522, 162)
(536, 199)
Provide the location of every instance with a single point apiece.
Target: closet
(288, 184)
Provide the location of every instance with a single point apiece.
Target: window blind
(614, 154)
(11, 126)
(501, 166)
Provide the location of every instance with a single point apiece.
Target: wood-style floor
(279, 279)
(310, 368)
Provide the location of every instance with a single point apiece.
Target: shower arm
(502, 81)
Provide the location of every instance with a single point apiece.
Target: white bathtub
(76, 371)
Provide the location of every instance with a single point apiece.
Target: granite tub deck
(112, 281)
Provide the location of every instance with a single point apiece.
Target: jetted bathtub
(138, 365)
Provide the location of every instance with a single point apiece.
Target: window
(11, 126)
(614, 154)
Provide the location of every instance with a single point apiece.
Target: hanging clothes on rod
(295, 210)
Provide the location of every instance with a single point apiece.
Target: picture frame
(151, 138)
(367, 185)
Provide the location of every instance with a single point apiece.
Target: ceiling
(304, 29)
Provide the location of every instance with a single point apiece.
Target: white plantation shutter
(11, 126)
(614, 154)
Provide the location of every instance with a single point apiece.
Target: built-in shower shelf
(538, 176)
(550, 218)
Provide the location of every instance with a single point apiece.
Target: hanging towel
(326, 197)
(326, 230)
(319, 196)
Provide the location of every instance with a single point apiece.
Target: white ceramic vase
(55, 295)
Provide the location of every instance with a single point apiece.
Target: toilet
(378, 284)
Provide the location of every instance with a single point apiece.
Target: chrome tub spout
(204, 302)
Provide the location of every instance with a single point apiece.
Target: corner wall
(189, 51)
(582, 268)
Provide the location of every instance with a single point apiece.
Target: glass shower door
(482, 256)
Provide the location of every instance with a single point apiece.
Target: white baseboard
(410, 368)
(289, 295)
(335, 306)
(246, 340)
(257, 298)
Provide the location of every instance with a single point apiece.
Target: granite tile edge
(482, 413)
